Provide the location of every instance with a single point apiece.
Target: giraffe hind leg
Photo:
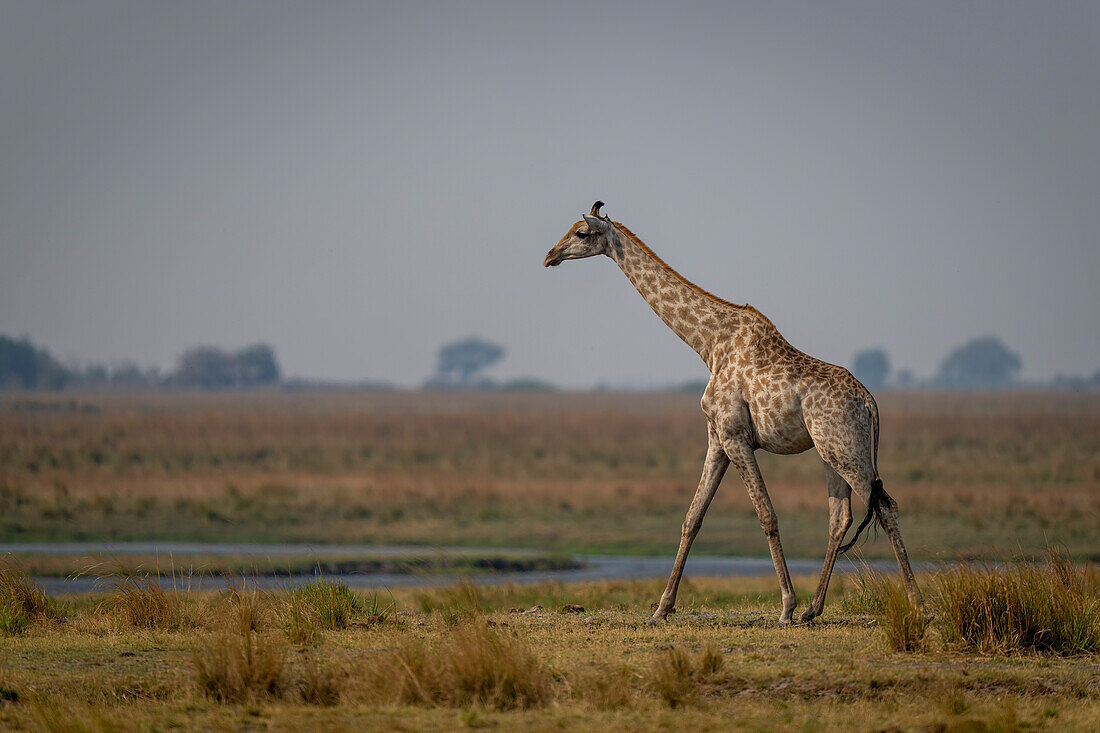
(863, 483)
(840, 519)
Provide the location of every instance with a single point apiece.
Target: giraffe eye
(582, 235)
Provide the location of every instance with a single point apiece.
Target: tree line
(26, 366)
(981, 363)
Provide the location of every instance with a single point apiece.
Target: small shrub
(1029, 606)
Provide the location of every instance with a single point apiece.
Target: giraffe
(763, 394)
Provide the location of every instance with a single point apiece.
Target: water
(592, 567)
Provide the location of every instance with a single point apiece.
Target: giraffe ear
(596, 224)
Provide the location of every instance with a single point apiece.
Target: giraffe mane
(668, 268)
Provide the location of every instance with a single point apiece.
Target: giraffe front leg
(714, 468)
(742, 457)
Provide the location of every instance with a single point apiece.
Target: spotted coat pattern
(762, 394)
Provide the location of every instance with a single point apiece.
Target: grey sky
(358, 183)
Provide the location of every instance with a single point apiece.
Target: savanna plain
(1001, 492)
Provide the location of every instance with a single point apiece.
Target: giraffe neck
(693, 314)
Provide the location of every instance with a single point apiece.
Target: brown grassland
(990, 476)
(975, 475)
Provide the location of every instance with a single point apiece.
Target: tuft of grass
(902, 623)
(21, 601)
(57, 717)
(672, 677)
(320, 684)
(711, 661)
(456, 603)
(236, 667)
(245, 602)
(865, 598)
(137, 599)
(239, 664)
(606, 687)
(297, 620)
(13, 620)
(1028, 606)
(327, 604)
(677, 676)
(474, 666)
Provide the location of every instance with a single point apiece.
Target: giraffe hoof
(656, 621)
(807, 617)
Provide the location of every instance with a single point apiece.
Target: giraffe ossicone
(763, 394)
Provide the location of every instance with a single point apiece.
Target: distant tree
(980, 363)
(212, 368)
(206, 367)
(465, 358)
(18, 363)
(22, 366)
(872, 367)
(258, 365)
(1076, 383)
(94, 375)
(128, 375)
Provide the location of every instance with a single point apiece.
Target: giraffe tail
(878, 498)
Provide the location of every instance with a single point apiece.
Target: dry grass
(320, 684)
(318, 605)
(475, 665)
(240, 663)
(974, 474)
(678, 676)
(137, 599)
(1029, 606)
(720, 659)
(21, 601)
(903, 625)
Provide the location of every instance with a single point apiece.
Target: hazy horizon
(357, 184)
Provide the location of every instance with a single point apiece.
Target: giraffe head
(588, 237)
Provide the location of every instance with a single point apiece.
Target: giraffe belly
(782, 430)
